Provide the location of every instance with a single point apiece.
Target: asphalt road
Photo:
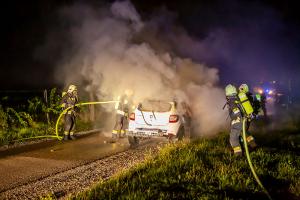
(48, 159)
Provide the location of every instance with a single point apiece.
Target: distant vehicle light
(260, 91)
(270, 92)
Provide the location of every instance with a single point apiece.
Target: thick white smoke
(110, 60)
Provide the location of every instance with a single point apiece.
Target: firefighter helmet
(230, 90)
(244, 88)
(72, 88)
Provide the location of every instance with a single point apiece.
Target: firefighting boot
(251, 142)
(238, 154)
(66, 138)
(114, 138)
(237, 151)
(122, 134)
(125, 133)
(72, 137)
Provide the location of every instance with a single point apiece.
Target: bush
(18, 125)
(3, 120)
(30, 121)
(37, 107)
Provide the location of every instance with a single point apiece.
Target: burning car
(155, 118)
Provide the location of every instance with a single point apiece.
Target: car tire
(133, 141)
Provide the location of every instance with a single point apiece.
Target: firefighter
(257, 104)
(263, 104)
(236, 115)
(236, 118)
(123, 107)
(69, 100)
(187, 119)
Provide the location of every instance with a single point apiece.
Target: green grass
(38, 129)
(21, 133)
(204, 169)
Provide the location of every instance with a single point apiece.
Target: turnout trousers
(69, 124)
(121, 126)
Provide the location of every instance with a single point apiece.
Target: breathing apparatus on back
(239, 100)
(246, 106)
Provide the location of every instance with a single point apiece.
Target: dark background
(25, 25)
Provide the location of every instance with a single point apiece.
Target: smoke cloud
(111, 51)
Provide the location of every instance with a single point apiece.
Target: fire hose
(60, 116)
(108, 102)
(77, 105)
(250, 162)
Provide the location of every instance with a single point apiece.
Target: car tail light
(132, 116)
(173, 118)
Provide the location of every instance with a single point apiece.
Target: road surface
(64, 168)
(21, 168)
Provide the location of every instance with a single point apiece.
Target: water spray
(250, 162)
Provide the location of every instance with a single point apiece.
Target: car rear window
(155, 106)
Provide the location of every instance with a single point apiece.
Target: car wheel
(133, 141)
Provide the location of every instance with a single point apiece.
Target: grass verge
(204, 169)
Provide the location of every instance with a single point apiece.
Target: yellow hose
(78, 105)
(250, 162)
(60, 116)
(36, 137)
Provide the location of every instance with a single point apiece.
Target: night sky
(26, 24)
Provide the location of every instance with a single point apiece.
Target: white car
(154, 118)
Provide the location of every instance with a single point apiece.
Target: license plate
(143, 134)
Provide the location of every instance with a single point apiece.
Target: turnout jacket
(69, 100)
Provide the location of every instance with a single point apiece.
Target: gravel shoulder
(77, 179)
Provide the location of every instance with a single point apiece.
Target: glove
(77, 109)
(63, 106)
(251, 117)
